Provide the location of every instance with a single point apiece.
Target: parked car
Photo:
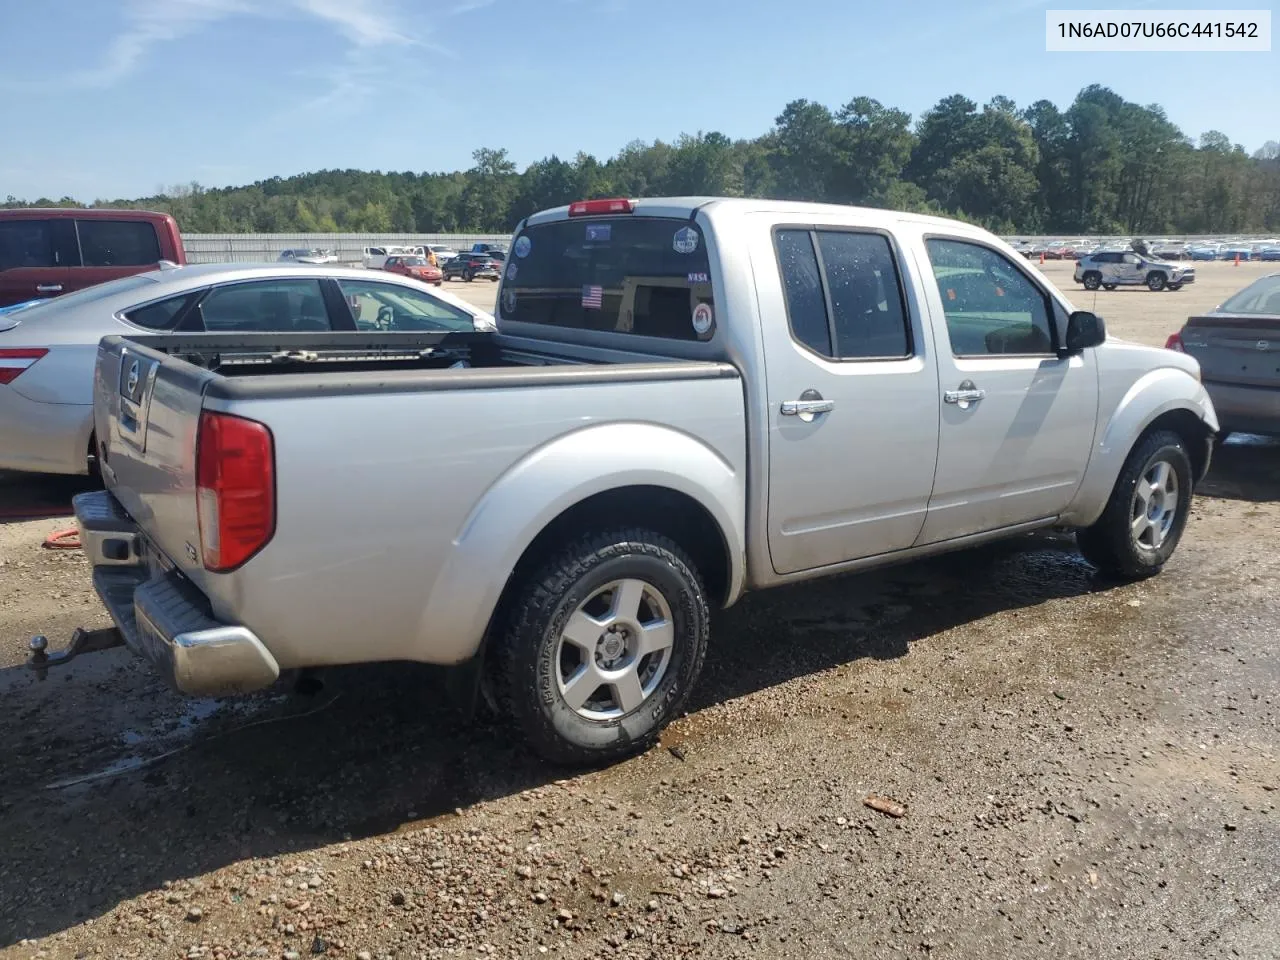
(491, 248)
(375, 258)
(14, 308)
(1234, 251)
(47, 350)
(442, 253)
(469, 266)
(1237, 345)
(1111, 269)
(661, 423)
(1203, 251)
(1168, 250)
(48, 253)
(1269, 253)
(416, 267)
(315, 255)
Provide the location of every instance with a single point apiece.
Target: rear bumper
(43, 437)
(1245, 409)
(161, 616)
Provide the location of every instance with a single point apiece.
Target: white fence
(349, 247)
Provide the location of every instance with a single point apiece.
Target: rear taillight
(1175, 343)
(590, 208)
(235, 489)
(15, 360)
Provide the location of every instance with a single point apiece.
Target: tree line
(1102, 166)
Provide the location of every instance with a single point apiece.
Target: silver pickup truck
(685, 399)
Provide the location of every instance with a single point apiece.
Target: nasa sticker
(508, 301)
(685, 240)
(523, 246)
(702, 317)
(511, 271)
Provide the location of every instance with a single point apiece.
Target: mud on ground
(1086, 770)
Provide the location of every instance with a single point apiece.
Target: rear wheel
(1143, 521)
(1092, 280)
(466, 275)
(1174, 286)
(1108, 286)
(1155, 281)
(602, 646)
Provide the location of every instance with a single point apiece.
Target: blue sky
(119, 98)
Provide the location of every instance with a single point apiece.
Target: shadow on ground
(379, 746)
(1246, 467)
(32, 496)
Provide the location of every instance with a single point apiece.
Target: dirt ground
(1087, 770)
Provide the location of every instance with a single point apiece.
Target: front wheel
(1174, 286)
(1108, 286)
(1155, 282)
(602, 646)
(1092, 280)
(1143, 520)
(467, 276)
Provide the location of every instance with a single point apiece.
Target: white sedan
(48, 350)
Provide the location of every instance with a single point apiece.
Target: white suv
(1110, 269)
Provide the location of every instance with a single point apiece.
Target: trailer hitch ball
(39, 645)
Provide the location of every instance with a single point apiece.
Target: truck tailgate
(146, 413)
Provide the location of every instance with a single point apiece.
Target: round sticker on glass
(511, 271)
(685, 240)
(702, 317)
(523, 246)
(508, 301)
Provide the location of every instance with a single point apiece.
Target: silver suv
(1114, 268)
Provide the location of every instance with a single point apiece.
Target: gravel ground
(1082, 769)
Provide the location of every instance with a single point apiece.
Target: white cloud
(467, 6)
(366, 24)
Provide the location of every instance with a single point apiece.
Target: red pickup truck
(46, 253)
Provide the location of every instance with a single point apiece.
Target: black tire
(1174, 287)
(1155, 281)
(526, 653)
(1092, 280)
(467, 276)
(1108, 286)
(1110, 544)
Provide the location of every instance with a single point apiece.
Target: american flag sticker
(593, 297)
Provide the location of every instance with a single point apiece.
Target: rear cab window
(640, 276)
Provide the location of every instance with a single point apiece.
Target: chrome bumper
(161, 615)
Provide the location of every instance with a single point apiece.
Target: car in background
(1168, 249)
(414, 266)
(46, 253)
(1234, 251)
(1237, 344)
(1203, 251)
(1269, 253)
(1125, 268)
(47, 351)
(15, 307)
(442, 253)
(375, 258)
(471, 265)
(314, 255)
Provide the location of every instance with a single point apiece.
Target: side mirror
(1084, 330)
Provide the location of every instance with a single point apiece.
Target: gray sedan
(47, 351)
(1238, 346)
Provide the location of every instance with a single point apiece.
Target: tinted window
(806, 303)
(635, 275)
(990, 306)
(866, 302)
(117, 243)
(163, 315)
(265, 305)
(1261, 296)
(25, 243)
(390, 306)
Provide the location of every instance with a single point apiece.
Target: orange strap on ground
(63, 540)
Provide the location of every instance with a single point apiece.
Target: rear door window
(266, 306)
(26, 243)
(118, 243)
(641, 276)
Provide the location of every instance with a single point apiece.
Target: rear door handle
(49, 288)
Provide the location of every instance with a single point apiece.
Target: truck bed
(398, 460)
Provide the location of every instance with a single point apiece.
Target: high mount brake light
(592, 208)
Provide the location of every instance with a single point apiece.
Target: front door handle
(808, 406)
(966, 395)
(49, 288)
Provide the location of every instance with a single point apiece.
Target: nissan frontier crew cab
(685, 399)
